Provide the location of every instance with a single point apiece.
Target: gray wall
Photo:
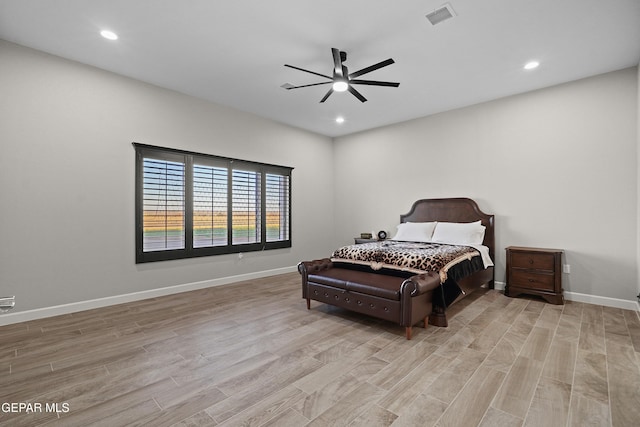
(558, 167)
(67, 175)
(560, 170)
(638, 184)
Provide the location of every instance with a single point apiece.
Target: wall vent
(442, 13)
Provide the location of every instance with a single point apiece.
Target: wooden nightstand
(535, 271)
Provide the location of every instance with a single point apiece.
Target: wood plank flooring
(251, 354)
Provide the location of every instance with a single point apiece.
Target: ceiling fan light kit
(342, 80)
(340, 86)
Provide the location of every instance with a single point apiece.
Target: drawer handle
(530, 261)
(532, 280)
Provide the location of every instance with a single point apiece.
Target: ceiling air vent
(442, 13)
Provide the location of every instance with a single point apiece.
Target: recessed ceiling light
(109, 35)
(340, 119)
(531, 65)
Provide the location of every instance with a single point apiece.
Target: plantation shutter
(192, 205)
(245, 212)
(277, 207)
(210, 188)
(163, 205)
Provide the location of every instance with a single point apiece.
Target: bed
(409, 289)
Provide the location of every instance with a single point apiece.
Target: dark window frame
(189, 159)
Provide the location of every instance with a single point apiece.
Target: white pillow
(415, 231)
(470, 233)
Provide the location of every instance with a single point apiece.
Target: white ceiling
(233, 52)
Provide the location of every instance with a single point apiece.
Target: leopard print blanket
(406, 256)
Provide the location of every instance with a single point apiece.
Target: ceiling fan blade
(371, 68)
(357, 94)
(337, 63)
(289, 87)
(307, 71)
(373, 83)
(327, 95)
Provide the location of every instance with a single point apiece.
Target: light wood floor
(250, 354)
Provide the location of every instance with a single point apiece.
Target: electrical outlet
(566, 268)
(7, 303)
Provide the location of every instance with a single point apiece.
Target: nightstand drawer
(529, 280)
(532, 261)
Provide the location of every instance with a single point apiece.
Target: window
(190, 205)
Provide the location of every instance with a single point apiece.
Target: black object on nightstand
(535, 271)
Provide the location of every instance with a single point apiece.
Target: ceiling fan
(342, 80)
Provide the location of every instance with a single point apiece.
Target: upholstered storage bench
(405, 301)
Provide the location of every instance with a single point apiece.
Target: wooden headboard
(458, 209)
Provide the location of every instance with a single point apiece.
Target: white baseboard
(592, 299)
(606, 301)
(40, 313)
(498, 286)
